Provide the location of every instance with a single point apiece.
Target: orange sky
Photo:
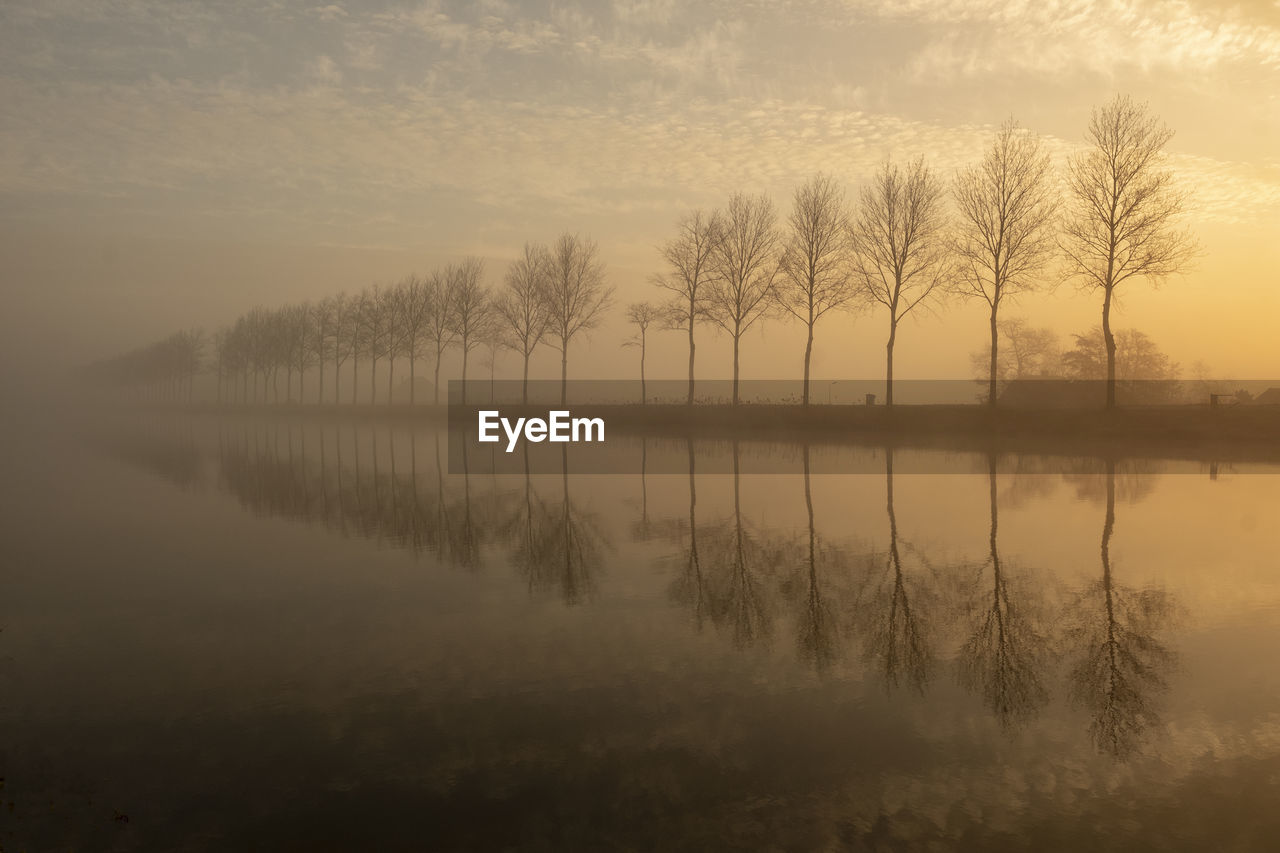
(172, 164)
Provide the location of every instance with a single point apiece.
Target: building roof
(1271, 396)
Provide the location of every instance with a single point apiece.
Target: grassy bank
(1235, 432)
(1240, 432)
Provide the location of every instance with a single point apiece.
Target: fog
(933, 356)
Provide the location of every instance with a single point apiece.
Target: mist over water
(247, 632)
(919, 508)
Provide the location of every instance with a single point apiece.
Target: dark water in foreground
(257, 635)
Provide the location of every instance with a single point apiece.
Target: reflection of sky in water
(568, 671)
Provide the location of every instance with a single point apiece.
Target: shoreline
(1234, 433)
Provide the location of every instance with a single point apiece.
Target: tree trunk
(413, 381)
(808, 353)
(692, 315)
(524, 385)
(1111, 350)
(337, 378)
(355, 378)
(888, 372)
(995, 344)
(391, 375)
(564, 373)
(735, 369)
(435, 388)
(464, 373)
(373, 381)
(644, 397)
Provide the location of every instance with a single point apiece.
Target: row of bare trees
(1012, 229)
(416, 318)
(1001, 228)
(550, 295)
(164, 370)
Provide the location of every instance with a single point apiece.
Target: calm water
(267, 635)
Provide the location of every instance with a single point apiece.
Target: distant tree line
(1005, 226)
(551, 295)
(1026, 352)
(164, 370)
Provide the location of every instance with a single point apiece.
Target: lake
(304, 634)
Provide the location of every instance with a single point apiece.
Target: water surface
(286, 634)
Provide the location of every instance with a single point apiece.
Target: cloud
(331, 13)
(586, 110)
(323, 70)
(1069, 36)
(332, 146)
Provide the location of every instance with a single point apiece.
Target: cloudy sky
(168, 164)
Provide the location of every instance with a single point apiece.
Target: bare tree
(574, 296)
(520, 310)
(494, 343)
(438, 329)
(222, 344)
(745, 263)
(642, 315)
(401, 332)
(689, 260)
(815, 264)
(898, 242)
(1032, 350)
(299, 321)
(1003, 237)
(375, 329)
(346, 341)
(319, 331)
(189, 346)
(1124, 209)
(472, 312)
(417, 302)
(1025, 351)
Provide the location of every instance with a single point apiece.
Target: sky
(171, 164)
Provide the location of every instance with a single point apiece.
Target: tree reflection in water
(895, 609)
(740, 564)
(729, 570)
(458, 522)
(1120, 662)
(557, 548)
(741, 577)
(1005, 653)
(689, 587)
(644, 528)
(818, 621)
